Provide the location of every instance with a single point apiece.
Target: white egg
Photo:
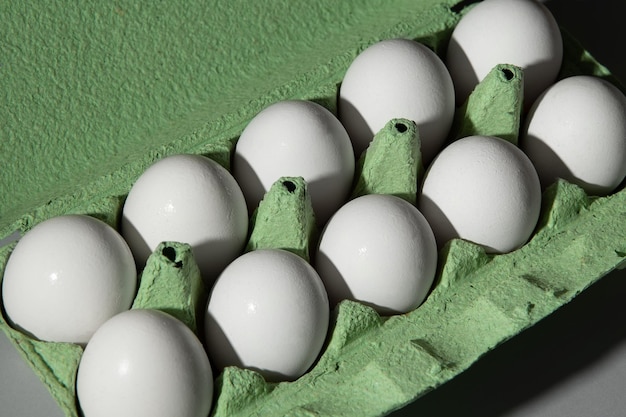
(297, 139)
(577, 131)
(67, 276)
(397, 78)
(379, 250)
(189, 199)
(518, 32)
(482, 189)
(269, 312)
(144, 363)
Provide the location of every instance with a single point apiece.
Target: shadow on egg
(248, 181)
(323, 207)
(469, 126)
(220, 351)
(552, 167)
(361, 134)
(460, 65)
(533, 92)
(466, 79)
(430, 149)
(212, 257)
(222, 354)
(138, 245)
(439, 222)
(336, 286)
(355, 124)
(338, 289)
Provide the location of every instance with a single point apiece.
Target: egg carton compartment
(371, 365)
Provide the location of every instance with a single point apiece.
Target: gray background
(571, 364)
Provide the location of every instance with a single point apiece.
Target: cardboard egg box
(96, 95)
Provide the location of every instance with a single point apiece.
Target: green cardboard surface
(95, 92)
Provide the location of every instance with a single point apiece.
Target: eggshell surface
(67, 276)
(298, 139)
(144, 363)
(189, 199)
(577, 131)
(482, 189)
(397, 78)
(518, 32)
(269, 312)
(379, 250)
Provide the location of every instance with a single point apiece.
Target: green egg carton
(95, 94)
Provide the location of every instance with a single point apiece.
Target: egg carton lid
(97, 93)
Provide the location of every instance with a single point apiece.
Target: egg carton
(371, 364)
